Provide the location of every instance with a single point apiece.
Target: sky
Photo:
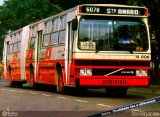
(1, 1)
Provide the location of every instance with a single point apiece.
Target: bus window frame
(48, 40)
(33, 33)
(15, 45)
(10, 49)
(56, 44)
(19, 47)
(56, 21)
(63, 26)
(47, 32)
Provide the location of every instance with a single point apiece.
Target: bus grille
(113, 72)
(115, 82)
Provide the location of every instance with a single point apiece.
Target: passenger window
(46, 40)
(32, 43)
(54, 38)
(62, 31)
(63, 22)
(62, 36)
(33, 34)
(10, 48)
(55, 25)
(47, 27)
(14, 47)
(19, 45)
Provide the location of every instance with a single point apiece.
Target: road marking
(22, 91)
(4, 89)
(62, 97)
(12, 90)
(4, 83)
(33, 93)
(81, 101)
(46, 95)
(105, 105)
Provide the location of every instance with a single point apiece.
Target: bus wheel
(60, 83)
(81, 91)
(19, 84)
(117, 91)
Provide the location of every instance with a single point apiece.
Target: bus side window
(46, 36)
(33, 33)
(54, 38)
(14, 47)
(54, 34)
(62, 36)
(62, 30)
(32, 43)
(46, 40)
(10, 48)
(19, 45)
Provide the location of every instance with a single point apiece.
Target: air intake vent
(115, 82)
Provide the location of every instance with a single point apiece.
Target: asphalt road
(24, 102)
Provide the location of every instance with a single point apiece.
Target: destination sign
(113, 10)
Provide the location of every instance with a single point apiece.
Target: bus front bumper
(113, 81)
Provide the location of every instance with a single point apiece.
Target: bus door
(69, 50)
(38, 52)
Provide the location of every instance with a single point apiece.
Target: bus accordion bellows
(88, 46)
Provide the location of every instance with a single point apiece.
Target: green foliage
(15, 14)
(19, 13)
(66, 4)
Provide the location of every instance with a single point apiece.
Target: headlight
(138, 72)
(141, 72)
(82, 71)
(144, 72)
(89, 72)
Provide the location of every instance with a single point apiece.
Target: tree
(19, 13)
(15, 14)
(66, 4)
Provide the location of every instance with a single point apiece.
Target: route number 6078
(92, 9)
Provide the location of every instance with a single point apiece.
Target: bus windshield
(112, 34)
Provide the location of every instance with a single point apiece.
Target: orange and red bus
(88, 46)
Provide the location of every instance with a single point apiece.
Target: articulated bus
(88, 46)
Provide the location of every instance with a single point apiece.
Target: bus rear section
(112, 49)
